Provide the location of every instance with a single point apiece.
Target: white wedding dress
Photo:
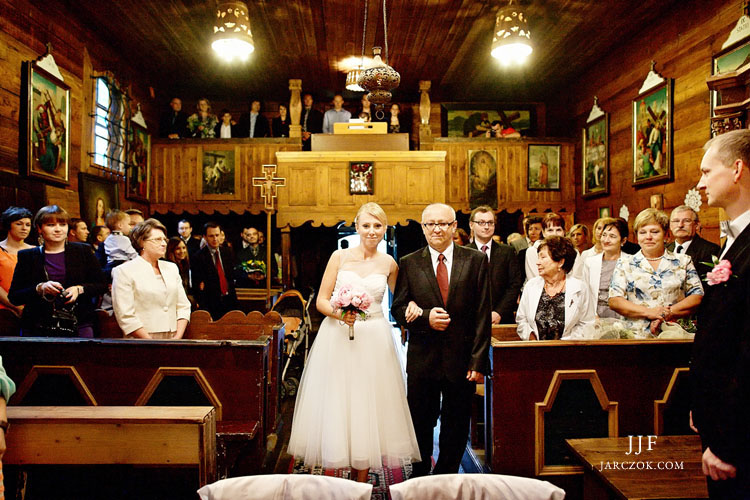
(351, 407)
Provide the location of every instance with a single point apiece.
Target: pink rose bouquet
(721, 272)
(356, 300)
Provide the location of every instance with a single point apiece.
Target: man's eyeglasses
(483, 223)
(682, 221)
(157, 240)
(430, 226)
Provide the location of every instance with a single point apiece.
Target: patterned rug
(380, 479)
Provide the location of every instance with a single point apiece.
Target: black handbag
(61, 321)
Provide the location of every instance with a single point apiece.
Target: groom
(720, 369)
(448, 341)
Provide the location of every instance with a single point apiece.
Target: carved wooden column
(286, 257)
(295, 108)
(425, 135)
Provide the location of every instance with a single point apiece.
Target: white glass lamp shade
(232, 38)
(351, 80)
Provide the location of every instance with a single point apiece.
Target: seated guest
(147, 293)
(654, 285)
(596, 233)
(255, 125)
(461, 237)
(56, 279)
(684, 224)
(553, 225)
(202, 123)
(7, 389)
(173, 123)
(17, 222)
(280, 124)
(78, 232)
(598, 269)
(177, 252)
(555, 305)
(226, 129)
(336, 115)
(579, 235)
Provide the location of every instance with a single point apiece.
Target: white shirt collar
(736, 227)
(684, 245)
(448, 253)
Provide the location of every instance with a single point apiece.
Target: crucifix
(269, 185)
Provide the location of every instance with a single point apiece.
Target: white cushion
(286, 486)
(475, 487)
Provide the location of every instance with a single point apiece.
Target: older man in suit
(212, 269)
(506, 277)
(443, 297)
(720, 369)
(684, 224)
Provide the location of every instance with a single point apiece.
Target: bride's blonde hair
(373, 209)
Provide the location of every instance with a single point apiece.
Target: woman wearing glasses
(147, 293)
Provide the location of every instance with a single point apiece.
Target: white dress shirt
(448, 254)
(736, 227)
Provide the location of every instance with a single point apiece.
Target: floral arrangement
(209, 124)
(350, 299)
(253, 266)
(721, 272)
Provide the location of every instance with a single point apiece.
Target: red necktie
(442, 278)
(222, 278)
(484, 251)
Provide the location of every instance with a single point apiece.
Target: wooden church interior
(586, 55)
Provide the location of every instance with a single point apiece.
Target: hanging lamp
(352, 77)
(511, 42)
(232, 38)
(378, 79)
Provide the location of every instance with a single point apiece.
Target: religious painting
(652, 135)
(604, 212)
(219, 178)
(361, 177)
(543, 171)
(482, 178)
(475, 119)
(728, 60)
(595, 178)
(138, 173)
(97, 196)
(657, 201)
(48, 125)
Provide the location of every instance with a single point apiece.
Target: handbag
(61, 320)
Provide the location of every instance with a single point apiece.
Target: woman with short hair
(147, 293)
(654, 285)
(555, 305)
(598, 269)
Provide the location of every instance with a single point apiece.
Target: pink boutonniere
(721, 272)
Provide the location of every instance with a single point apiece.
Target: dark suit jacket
(204, 272)
(262, 128)
(464, 345)
(314, 121)
(235, 130)
(281, 129)
(173, 124)
(193, 246)
(506, 279)
(700, 251)
(720, 368)
(81, 268)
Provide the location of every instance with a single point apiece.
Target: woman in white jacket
(598, 269)
(147, 293)
(554, 305)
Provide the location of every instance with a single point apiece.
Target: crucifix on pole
(269, 185)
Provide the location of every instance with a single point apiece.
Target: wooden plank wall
(512, 163)
(25, 28)
(682, 46)
(176, 173)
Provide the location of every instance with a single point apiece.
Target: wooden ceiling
(445, 41)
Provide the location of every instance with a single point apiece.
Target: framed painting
(656, 201)
(543, 170)
(474, 119)
(595, 152)
(728, 60)
(48, 125)
(652, 135)
(138, 174)
(219, 178)
(97, 196)
(482, 177)
(604, 212)
(361, 177)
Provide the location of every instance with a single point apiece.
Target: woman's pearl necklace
(654, 259)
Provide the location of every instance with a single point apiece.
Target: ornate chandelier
(511, 42)
(232, 38)
(352, 77)
(378, 79)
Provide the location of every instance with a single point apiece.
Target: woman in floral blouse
(202, 123)
(654, 285)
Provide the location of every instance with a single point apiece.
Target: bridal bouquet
(350, 299)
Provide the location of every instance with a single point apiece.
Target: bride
(351, 407)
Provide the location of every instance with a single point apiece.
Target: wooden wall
(682, 45)
(176, 169)
(25, 27)
(512, 165)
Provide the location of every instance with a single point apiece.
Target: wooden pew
(85, 435)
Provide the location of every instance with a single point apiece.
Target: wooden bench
(135, 435)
